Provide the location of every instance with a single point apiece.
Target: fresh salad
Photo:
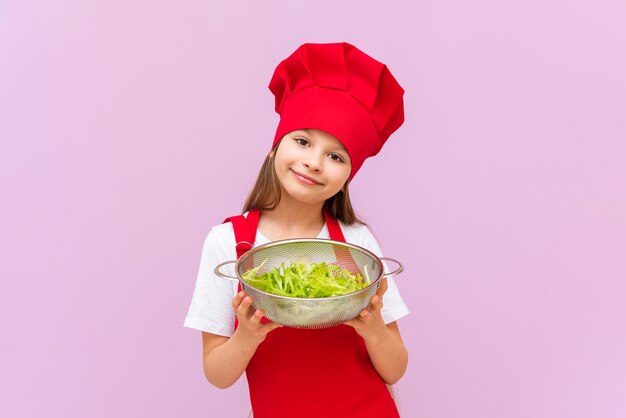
(306, 280)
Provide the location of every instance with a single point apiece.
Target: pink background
(129, 128)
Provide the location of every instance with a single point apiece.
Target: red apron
(323, 373)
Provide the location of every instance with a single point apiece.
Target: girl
(337, 107)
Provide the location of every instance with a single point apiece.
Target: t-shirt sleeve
(394, 307)
(210, 309)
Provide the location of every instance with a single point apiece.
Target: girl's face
(311, 165)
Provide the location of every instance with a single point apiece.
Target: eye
(301, 141)
(336, 157)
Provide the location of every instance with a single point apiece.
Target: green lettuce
(306, 280)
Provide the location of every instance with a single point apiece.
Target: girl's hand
(250, 330)
(369, 323)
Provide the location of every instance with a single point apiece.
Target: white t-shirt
(211, 310)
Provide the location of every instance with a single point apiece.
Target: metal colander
(310, 313)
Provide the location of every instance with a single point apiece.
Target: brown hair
(265, 195)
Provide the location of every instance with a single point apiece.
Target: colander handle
(218, 272)
(397, 271)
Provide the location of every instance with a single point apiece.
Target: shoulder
(221, 230)
(220, 238)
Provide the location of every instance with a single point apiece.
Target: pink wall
(129, 128)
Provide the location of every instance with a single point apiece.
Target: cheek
(341, 174)
(285, 156)
(280, 159)
(346, 169)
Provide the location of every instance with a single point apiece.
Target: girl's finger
(237, 300)
(243, 310)
(256, 317)
(376, 303)
(382, 288)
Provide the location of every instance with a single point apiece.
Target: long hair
(265, 195)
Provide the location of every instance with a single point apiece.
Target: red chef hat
(341, 90)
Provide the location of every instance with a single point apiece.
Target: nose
(313, 162)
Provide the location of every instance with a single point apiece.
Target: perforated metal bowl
(310, 313)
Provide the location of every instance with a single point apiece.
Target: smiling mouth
(304, 179)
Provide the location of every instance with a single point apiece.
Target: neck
(292, 218)
(299, 214)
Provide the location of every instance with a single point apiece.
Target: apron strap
(245, 230)
(245, 234)
(342, 254)
(334, 230)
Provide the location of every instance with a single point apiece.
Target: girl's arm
(383, 342)
(388, 354)
(226, 358)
